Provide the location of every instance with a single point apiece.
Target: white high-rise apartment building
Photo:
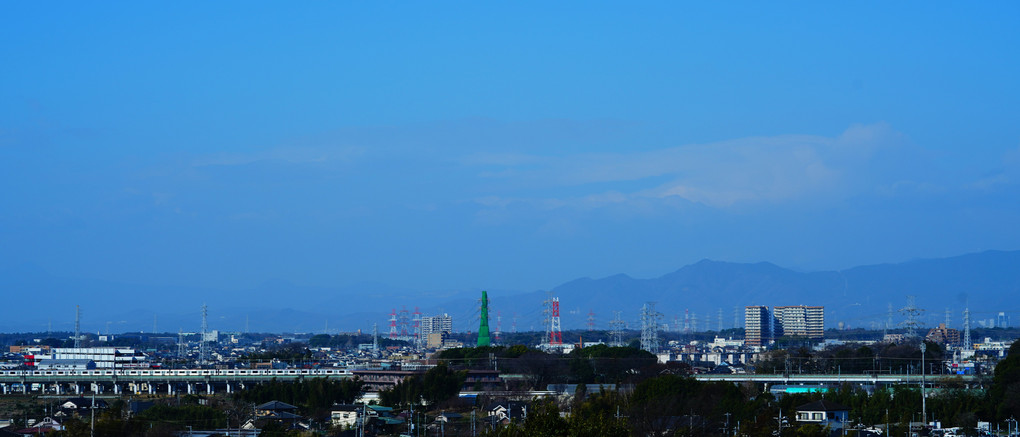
(436, 324)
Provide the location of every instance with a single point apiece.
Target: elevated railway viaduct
(150, 381)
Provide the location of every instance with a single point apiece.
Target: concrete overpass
(835, 379)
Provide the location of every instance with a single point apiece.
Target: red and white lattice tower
(591, 320)
(416, 324)
(687, 321)
(555, 334)
(676, 324)
(393, 324)
(405, 320)
(499, 325)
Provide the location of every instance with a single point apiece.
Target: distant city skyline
(433, 149)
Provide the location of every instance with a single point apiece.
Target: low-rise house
(277, 411)
(43, 427)
(447, 417)
(345, 415)
(274, 407)
(81, 406)
(506, 412)
(824, 413)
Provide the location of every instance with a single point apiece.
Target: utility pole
(924, 409)
(92, 423)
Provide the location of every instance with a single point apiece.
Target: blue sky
(500, 146)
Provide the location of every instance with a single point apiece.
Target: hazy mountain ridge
(860, 296)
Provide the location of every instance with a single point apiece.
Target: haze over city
(485, 219)
(443, 149)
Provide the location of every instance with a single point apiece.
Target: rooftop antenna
(77, 326)
(649, 328)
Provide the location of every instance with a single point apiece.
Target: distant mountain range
(989, 282)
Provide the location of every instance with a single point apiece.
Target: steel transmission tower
(393, 324)
(202, 350)
(966, 329)
(499, 326)
(616, 329)
(546, 314)
(375, 338)
(405, 319)
(77, 326)
(912, 313)
(182, 349)
(888, 320)
(650, 328)
(555, 333)
(483, 323)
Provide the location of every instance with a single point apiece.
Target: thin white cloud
(723, 174)
(291, 155)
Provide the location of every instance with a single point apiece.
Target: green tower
(483, 323)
